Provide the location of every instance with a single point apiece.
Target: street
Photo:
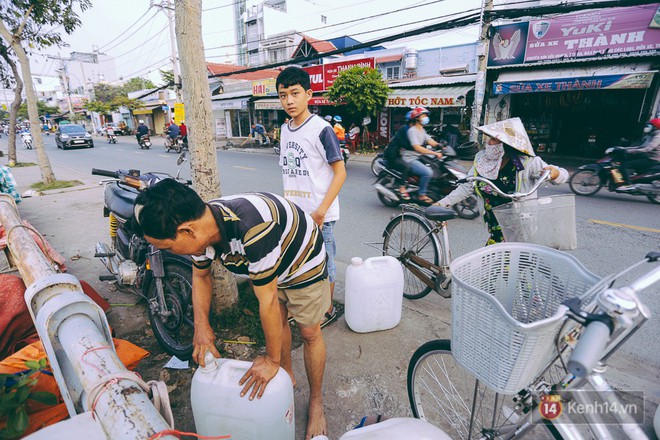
(602, 247)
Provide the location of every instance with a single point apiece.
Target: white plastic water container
(219, 409)
(397, 429)
(374, 294)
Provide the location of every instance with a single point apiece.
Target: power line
(127, 29)
(130, 35)
(157, 34)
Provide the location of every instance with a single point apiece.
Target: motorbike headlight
(65, 136)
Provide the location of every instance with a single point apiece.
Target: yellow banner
(179, 113)
(264, 87)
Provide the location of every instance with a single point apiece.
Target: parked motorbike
(589, 179)
(162, 278)
(446, 173)
(145, 141)
(27, 140)
(112, 139)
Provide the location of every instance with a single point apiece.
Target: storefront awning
(449, 96)
(147, 109)
(579, 78)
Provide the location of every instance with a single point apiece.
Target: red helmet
(417, 112)
(655, 123)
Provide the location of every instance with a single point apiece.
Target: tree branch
(23, 23)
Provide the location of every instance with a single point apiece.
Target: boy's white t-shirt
(306, 153)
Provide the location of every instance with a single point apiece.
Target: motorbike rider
(173, 131)
(339, 130)
(392, 155)
(418, 137)
(109, 131)
(509, 161)
(642, 157)
(183, 129)
(141, 130)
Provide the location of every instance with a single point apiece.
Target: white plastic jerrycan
(374, 294)
(219, 409)
(397, 429)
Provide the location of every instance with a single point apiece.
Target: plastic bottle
(219, 409)
(374, 294)
(397, 429)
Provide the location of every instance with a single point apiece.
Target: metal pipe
(77, 341)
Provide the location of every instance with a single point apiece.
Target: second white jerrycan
(219, 409)
(374, 294)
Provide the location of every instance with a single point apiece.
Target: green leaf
(43, 362)
(20, 422)
(32, 365)
(22, 394)
(44, 397)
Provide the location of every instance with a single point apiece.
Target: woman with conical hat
(508, 160)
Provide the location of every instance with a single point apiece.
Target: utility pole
(168, 8)
(64, 77)
(482, 64)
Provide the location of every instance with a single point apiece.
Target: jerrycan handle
(373, 261)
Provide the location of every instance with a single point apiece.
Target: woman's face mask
(425, 120)
(494, 151)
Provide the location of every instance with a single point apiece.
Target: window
(324, 19)
(392, 73)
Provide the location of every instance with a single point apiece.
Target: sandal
(329, 317)
(425, 199)
(403, 194)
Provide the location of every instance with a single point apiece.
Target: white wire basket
(549, 221)
(506, 310)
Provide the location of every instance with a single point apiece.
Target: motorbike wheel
(653, 198)
(276, 148)
(178, 149)
(376, 166)
(390, 203)
(174, 332)
(585, 183)
(468, 208)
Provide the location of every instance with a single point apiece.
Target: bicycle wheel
(407, 236)
(585, 183)
(446, 395)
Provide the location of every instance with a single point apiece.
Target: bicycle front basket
(506, 310)
(549, 221)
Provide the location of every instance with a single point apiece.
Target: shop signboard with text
(640, 80)
(324, 75)
(430, 98)
(596, 33)
(264, 87)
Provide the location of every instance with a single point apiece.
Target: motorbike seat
(120, 200)
(439, 214)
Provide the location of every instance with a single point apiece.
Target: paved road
(603, 248)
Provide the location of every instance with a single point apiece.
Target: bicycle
(540, 347)
(418, 238)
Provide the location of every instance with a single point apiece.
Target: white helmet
(141, 121)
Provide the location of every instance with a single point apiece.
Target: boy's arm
(338, 178)
(204, 337)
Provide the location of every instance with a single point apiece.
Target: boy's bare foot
(316, 424)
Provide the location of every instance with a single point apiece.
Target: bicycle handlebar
(106, 173)
(514, 196)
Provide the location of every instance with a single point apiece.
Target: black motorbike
(589, 179)
(162, 278)
(144, 142)
(112, 139)
(446, 173)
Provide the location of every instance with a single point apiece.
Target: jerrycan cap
(356, 261)
(210, 363)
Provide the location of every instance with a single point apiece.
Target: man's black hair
(292, 76)
(162, 208)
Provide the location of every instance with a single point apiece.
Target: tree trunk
(199, 118)
(13, 110)
(47, 174)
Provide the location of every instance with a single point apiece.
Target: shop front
(232, 117)
(577, 111)
(448, 106)
(153, 116)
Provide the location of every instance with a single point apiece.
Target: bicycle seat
(439, 214)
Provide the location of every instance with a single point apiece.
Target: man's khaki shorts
(308, 304)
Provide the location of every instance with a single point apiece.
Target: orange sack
(41, 415)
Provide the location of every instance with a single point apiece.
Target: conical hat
(511, 132)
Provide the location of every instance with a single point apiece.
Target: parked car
(115, 127)
(68, 136)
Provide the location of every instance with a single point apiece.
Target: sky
(145, 47)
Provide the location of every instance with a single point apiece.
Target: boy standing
(313, 173)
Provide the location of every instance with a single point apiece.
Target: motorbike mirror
(182, 158)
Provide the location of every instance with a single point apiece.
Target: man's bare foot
(316, 424)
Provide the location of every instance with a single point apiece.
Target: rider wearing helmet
(642, 157)
(337, 127)
(392, 155)
(141, 130)
(417, 136)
